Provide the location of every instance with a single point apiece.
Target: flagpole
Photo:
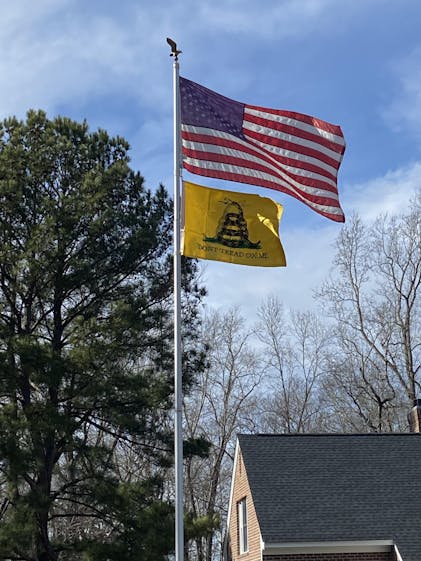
(178, 391)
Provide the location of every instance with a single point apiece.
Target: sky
(355, 63)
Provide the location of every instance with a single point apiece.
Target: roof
(337, 487)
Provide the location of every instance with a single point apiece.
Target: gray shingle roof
(337, 487)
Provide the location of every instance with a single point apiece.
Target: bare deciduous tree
(374, 300)
(294, 347)
(217, 409)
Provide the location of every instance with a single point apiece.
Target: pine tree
(85, 347)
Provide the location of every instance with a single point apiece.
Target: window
(242, 525)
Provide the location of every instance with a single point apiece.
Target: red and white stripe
(286, 151)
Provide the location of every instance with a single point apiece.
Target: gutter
(360, 546)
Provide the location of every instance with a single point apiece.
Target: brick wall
(241, 490)
(389, 556)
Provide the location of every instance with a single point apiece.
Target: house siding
(386, 556)
(241, 489)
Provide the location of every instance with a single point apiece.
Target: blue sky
(356, 63)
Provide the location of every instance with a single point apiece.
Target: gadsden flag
(232, 227)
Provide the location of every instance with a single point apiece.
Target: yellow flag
(232, 227)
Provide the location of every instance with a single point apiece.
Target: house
(326, 497)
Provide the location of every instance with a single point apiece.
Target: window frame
(242, 526)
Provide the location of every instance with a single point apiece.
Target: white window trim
(242, 525)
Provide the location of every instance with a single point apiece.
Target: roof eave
(361, 546)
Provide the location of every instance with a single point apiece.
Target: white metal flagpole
(178, 399)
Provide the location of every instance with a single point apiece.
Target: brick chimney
(414, 417)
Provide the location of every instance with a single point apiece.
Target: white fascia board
(364, 546)
(236, 453)
(225, 545)
(398, 555)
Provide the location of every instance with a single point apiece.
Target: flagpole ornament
(174, 51)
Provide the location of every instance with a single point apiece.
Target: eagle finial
(174, 51)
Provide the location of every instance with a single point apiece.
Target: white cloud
(273, 19)
(54, 53)
(404, 111)
(309, 252)
(390, 193)
(61, 51)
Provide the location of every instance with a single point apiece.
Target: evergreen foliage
(85, 347)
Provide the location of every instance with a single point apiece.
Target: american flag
(282, 150)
